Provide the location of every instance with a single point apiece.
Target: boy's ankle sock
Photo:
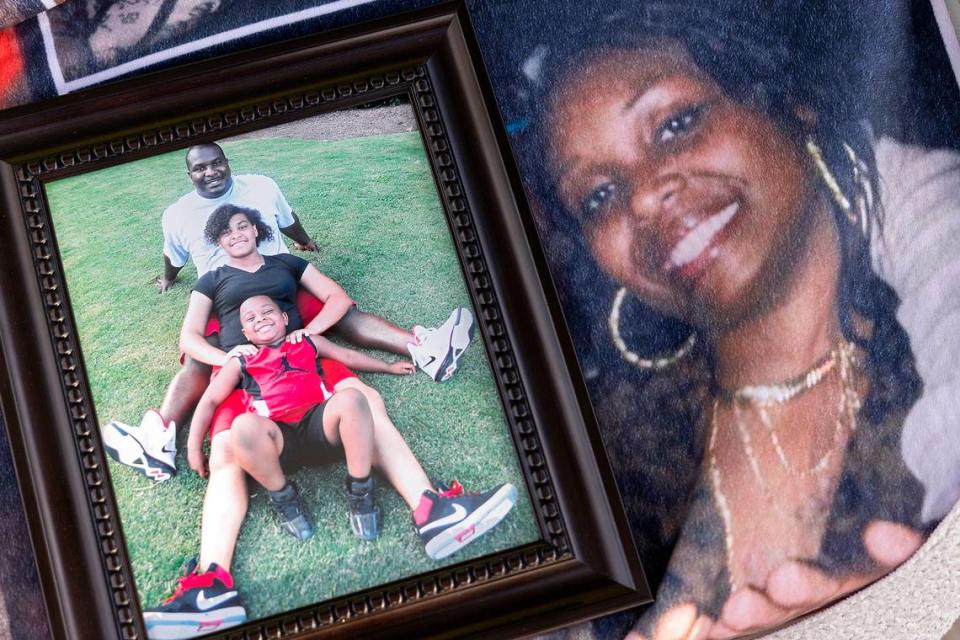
(364, 511)
(286, 492)
(359, 486)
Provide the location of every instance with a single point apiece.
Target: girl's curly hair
(219, 222)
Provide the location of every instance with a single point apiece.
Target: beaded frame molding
(584, 565)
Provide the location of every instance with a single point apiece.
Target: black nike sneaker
(449, 519)
(364, 511)
(294, 517)
(203, 603)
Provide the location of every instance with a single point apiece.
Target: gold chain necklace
(848, 405)
(783, 392)
(841, 357)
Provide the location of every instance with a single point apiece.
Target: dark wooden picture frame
(585, 564)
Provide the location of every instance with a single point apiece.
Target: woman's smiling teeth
(698, 239)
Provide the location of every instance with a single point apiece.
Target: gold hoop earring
(857, 211)
(654, 364)
(863, 196)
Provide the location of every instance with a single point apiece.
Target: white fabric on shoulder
(919, 256)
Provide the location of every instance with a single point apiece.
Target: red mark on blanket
(11, 64)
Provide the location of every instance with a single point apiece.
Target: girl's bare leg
(224, 505)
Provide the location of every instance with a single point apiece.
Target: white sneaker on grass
(148, 448)
(437, 352)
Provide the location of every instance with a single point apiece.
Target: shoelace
(453, 490)
(420, 334)
(190, 581)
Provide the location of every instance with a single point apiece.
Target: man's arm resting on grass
(169, 276)
(335, 300)
(299, 235)
(220, 387)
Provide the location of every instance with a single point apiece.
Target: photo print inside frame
(354, 187)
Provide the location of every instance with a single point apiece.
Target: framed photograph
(768, 349)
(281, 357)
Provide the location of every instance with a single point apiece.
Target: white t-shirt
(183, 221)
(919, 256)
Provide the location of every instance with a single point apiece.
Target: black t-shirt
(228, 287)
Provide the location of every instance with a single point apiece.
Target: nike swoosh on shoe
(459, 513)
(206, 603)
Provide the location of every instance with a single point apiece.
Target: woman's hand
(793, 588)
(297, 336)
(796, 587)
(681, 622)
(198, 461)
(401, 368)
(239, 351)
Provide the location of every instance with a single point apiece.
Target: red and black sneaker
(449, 519)
(203, 603)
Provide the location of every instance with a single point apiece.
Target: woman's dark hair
(782, 62)
(219, 222)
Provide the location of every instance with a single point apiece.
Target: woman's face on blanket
(261, 320)
(240, 239)
(695, 202)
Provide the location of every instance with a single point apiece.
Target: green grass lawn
(372, 207)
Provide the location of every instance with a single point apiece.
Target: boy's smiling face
(262, 321)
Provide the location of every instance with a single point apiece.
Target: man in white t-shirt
(150, 448)
(214, 185)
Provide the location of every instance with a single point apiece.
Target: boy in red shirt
(298, 416)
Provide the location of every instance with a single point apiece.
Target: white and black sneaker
(203, 603)
(437, 352)
(450, 519)
(148, 448)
